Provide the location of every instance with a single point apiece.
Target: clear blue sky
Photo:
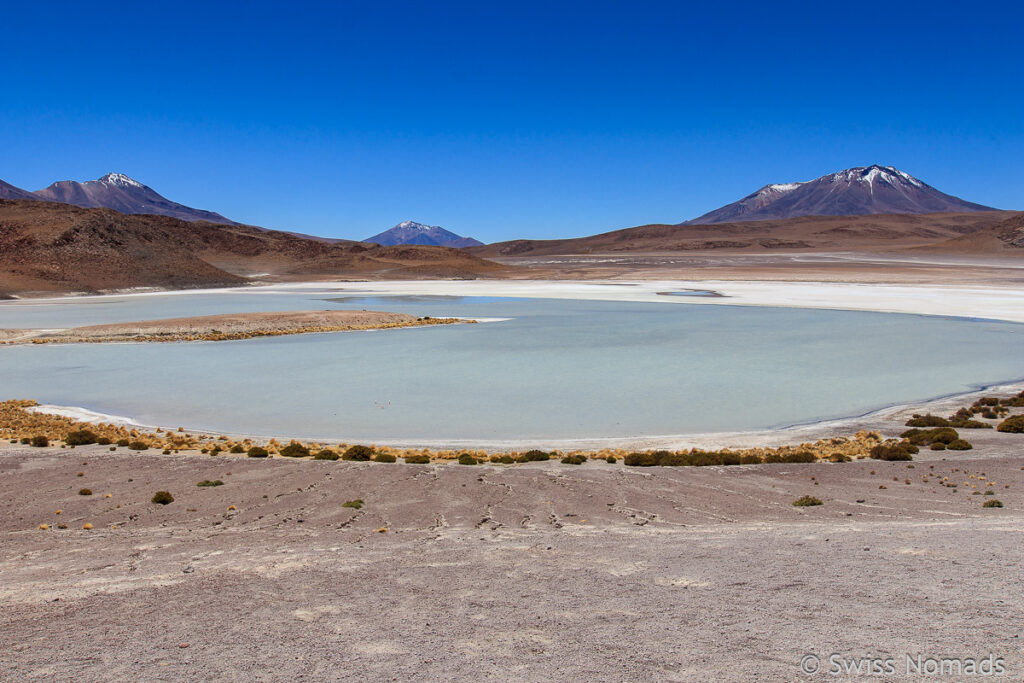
(507, 119)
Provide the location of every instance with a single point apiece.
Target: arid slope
(50, 247)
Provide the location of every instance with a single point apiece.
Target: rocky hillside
(50, 247)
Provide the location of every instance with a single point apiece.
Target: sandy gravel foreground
(535, 572)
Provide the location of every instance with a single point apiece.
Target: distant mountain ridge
(411, 232)
(114, 191)
(858, 191)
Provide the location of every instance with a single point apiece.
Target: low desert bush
(959, 445)
(938, 446)
(927, 421)
(258, 452)
(40, 441)
(207, 482)
(358, 453)
(103, 441)
(807, 501)
(467, 459)
(162, 498)
(894, 451)
(357, 503)
(417, 459)
(384, 457)
(534, 456)
(237, 448)
(1012, 425)
(611, 459)
(992, 504)
(81, 437)
(294, 450)
(25, 440)
(84, 492)
(926, 437)
(574, 459)
(138, 446)
(326, 454)
(123, 442)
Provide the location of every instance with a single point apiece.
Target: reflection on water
(555, 369)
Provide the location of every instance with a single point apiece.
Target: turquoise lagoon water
(557, 369)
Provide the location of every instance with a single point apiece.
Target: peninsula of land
(223, 327)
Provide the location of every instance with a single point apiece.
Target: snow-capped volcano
(121, 193)
(852, 192)
(411, 232)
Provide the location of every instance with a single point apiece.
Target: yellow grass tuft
(43, 527)
(87, 526)
(231, 507)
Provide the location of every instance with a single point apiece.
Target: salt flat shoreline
(992, 302)
(888, 420)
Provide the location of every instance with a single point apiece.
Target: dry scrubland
(276, 562)
(543, 571)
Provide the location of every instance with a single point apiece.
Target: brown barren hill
(54, 248)
(872, 233)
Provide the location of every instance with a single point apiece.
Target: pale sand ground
(538, 572)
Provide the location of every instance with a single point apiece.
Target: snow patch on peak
(120, 179)
(413, 224)
(783, 187)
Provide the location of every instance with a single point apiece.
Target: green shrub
(985, 401)
(417, 459)
(357, 503)
(938, 446)
(893, 451)
(138, 446)
(207, 482)
(326, 454)
(800, 456)
(574, 459)
(294, 450)
(1012, 425)
(25, 440)
(926, 437)
(237, 448)
(992, 504)
(258, 452)
(40, 441)
(506, 459)
(640, 460)
(123, 442)
(162, 498)
(103, 441)
(358, 453)
(969, 424)
(84, 492)
(82, 437)
(534, 456)
(384, 457)
(927, 421)
(467, 459)
(806, 501)
(611, 459)
(959, 445)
